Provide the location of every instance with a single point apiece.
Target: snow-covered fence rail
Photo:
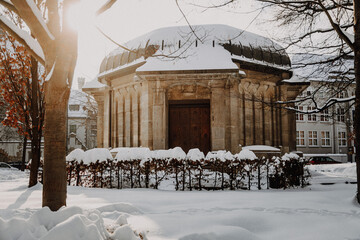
(174, 169)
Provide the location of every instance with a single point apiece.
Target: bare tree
(320, 27)
(54, 44)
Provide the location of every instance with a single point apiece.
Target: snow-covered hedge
(174, 169)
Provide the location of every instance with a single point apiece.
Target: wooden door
(189, 126)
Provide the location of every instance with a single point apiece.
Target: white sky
(128, 19)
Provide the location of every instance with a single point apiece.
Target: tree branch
(121, 46)
(105, 7)
(32, 17)
(24, 38)
(9, 6)
(336, 27)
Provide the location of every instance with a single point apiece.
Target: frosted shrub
(140, 167)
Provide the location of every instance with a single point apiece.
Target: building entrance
(189, 125)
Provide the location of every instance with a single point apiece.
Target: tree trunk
(54, 188)
(357, 92)
(35, 115)
(23, 154)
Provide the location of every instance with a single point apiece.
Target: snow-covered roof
(93, 84)
(261, 148)
(206, 33)
(208, 47)
(83, 100)
(204, 58)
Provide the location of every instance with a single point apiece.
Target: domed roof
(242, 45)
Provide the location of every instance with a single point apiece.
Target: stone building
(82, 111)
(215, 89)
(329, 131)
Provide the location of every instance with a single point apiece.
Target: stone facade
(134, 105)
(135, 113)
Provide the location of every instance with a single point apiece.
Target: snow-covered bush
(140, 167)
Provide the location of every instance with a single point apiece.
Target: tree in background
(22, 97)
(326, 27)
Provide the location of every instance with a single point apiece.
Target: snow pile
(289, 156)
(177, 153)
(97, 154)
(246, 154)
(11, 174)
(67, 223)
(160, 154)
(220, 155)
(70, 223)
(76, 155)
(173, 153)
(129, 154)
(339, 170)
(195, 155)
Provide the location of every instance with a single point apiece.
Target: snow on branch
(328, 103)
(24, 38)
(31, 15)
(39, 17)
(9, 6)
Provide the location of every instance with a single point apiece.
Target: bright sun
(81, 15)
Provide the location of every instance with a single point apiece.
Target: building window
(311, 117)
(342, 94)
(325, 138)
(342, 139)
(93, 130)
(300, 138)
(324, 115)
(340, 114)
(72, 128)
(74, 107)
(312, 138)
(299, 115)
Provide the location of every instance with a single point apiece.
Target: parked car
(4, 165)
(16, 164)
(322, 160)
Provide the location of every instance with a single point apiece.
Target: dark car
(322, 160)
(16, 164)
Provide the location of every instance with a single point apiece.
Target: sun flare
(80, 15)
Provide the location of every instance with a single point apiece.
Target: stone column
(106, 120)
(120, 122)
(218, 118)
(135, 117)
(100, 120)
(234, 117)
(159, 118)
(145, 116)
(127, 121)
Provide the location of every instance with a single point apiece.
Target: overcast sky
(128, 19)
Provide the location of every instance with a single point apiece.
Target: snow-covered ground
(319, 211)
